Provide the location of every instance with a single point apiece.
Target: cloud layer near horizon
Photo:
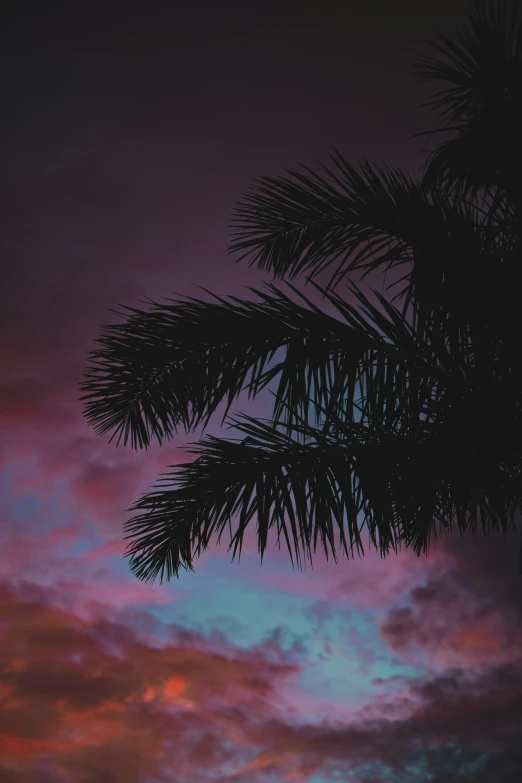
(115, 693)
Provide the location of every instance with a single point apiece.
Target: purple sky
(127, 139)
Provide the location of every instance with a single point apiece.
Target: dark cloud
(470, 611)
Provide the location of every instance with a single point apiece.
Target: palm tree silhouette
(394, 418)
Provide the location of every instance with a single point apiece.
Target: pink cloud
(350, 582)
(81, 582)
(104, 552)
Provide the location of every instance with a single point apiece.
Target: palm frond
(308, 221)
(318, 493)
(354, 218)
(479, 102)
(172, 366)
(303, 491)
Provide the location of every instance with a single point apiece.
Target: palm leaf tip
(158, 546)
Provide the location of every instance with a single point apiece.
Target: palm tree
(394, 419)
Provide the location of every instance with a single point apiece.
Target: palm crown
(395, 418)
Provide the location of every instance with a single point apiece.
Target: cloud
(73, 569)
(349, 582)
(92, 700)
(85, 479)
(103, 705)
(468, 614)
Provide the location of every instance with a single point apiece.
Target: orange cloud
(103, 705)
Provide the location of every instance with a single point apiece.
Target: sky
(127, 137)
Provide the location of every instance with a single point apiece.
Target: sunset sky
(126, 139)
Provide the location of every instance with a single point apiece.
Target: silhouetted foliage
(399, 416)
